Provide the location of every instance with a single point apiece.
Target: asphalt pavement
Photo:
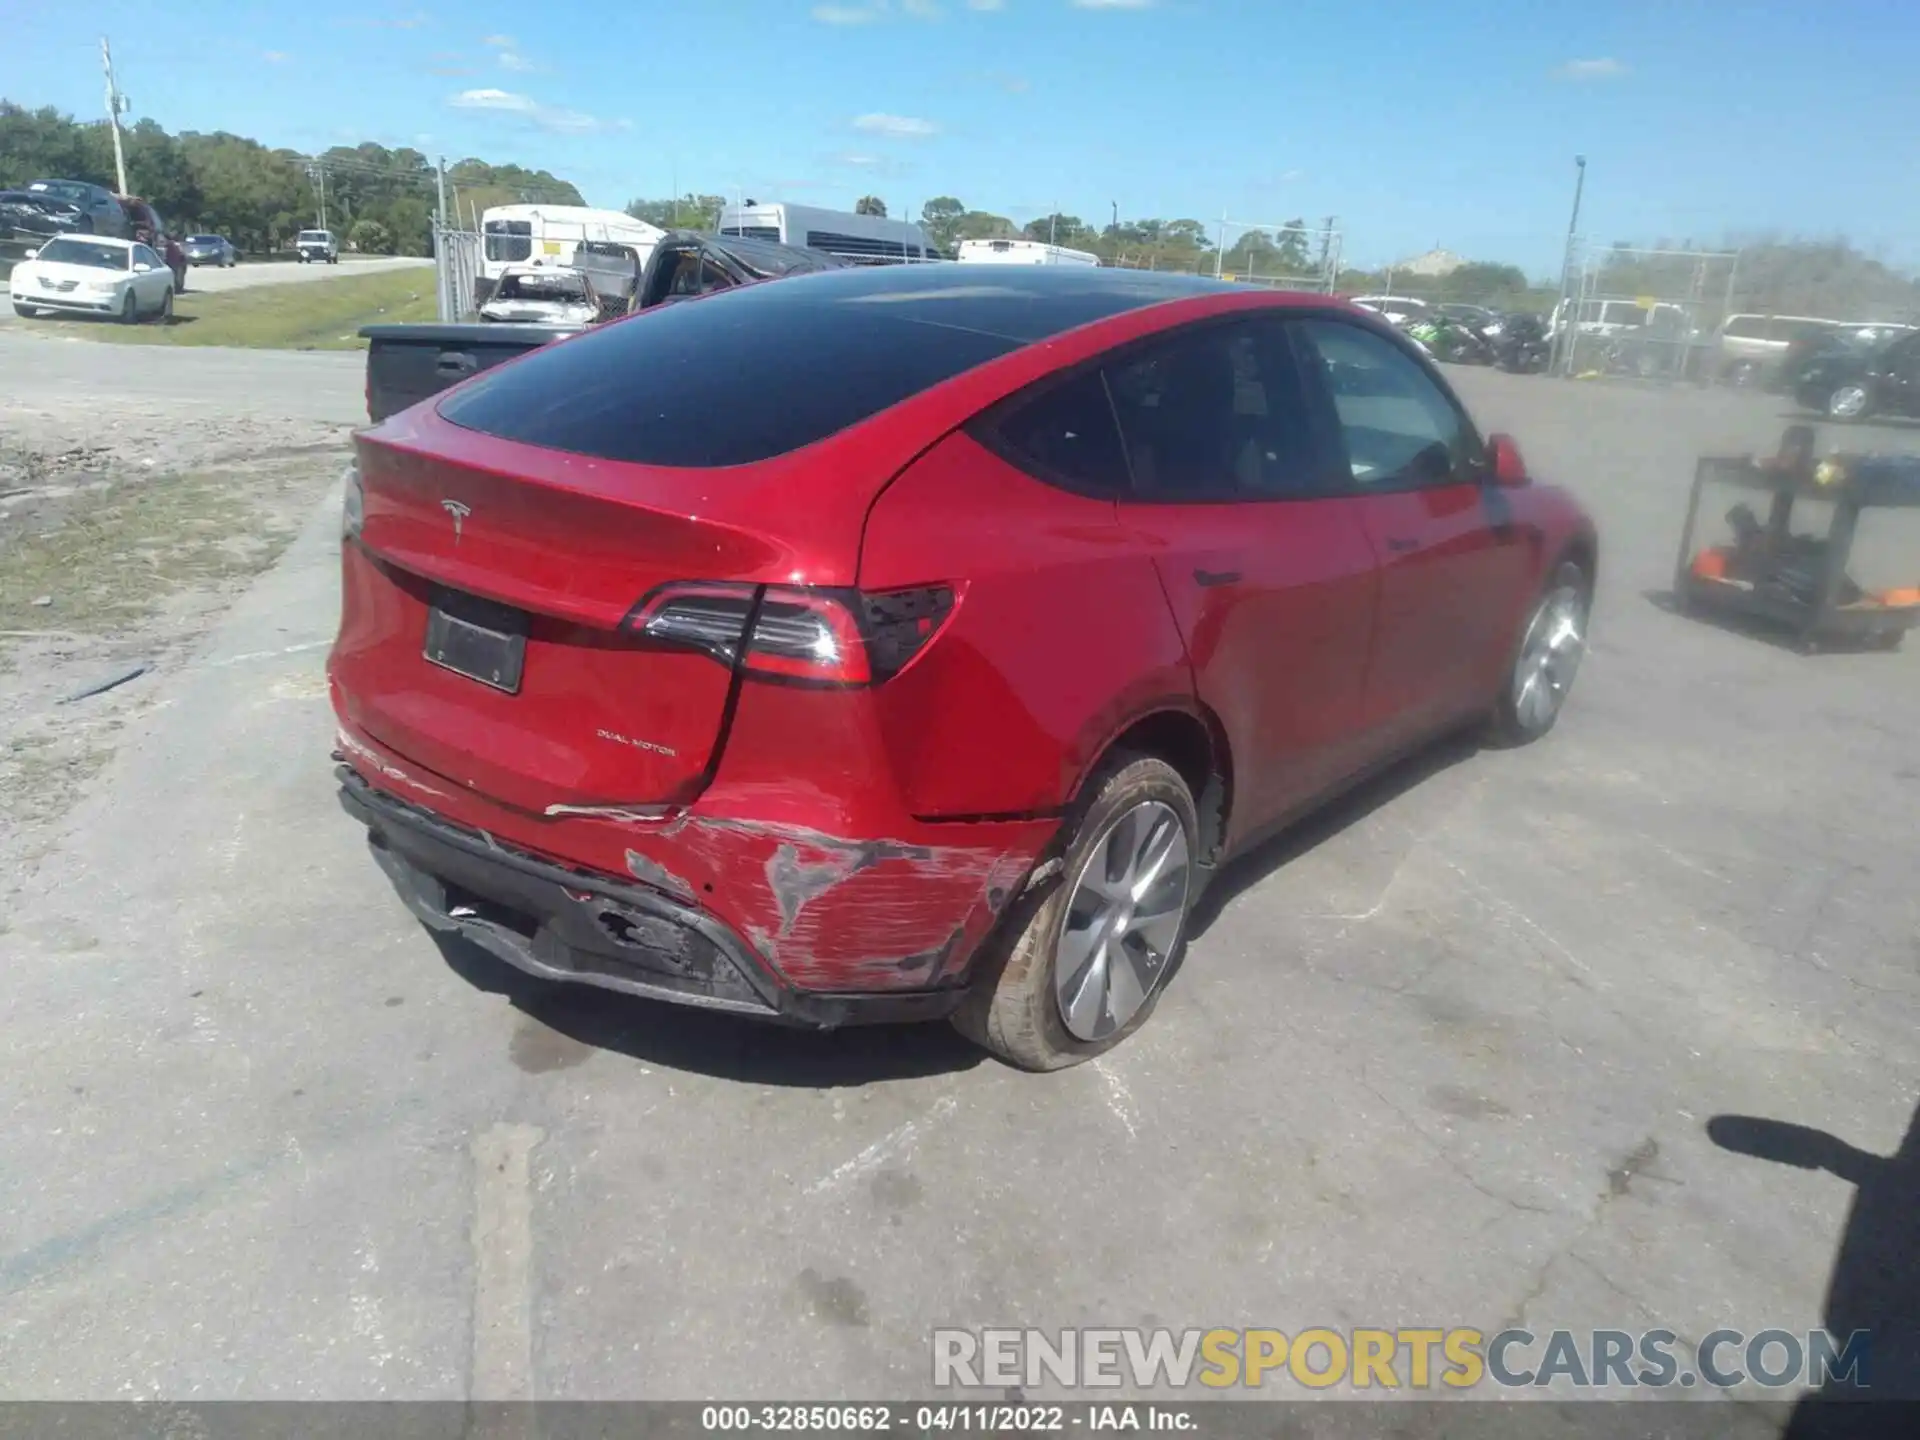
(1445, 1056)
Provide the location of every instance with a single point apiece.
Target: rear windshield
(738, 376)
(317, 237)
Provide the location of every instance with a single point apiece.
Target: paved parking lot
(1445, 1057)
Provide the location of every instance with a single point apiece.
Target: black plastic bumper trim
(411, 845)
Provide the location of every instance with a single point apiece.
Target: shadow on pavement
(1875, 1286)
(1319, 826)
(703, 1042)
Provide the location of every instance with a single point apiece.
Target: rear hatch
(491, 621)
(556, 561)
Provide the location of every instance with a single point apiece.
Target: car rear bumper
(568, 925)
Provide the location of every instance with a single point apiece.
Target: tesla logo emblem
(459, 513)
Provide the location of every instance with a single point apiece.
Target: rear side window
(1066, 435)
(740, 376)
(1746, 327)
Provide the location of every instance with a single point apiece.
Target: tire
(1848, 402)
(130, 311)
(1015, 1008)
(164, 315)
(1542, 671)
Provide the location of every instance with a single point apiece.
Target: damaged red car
(915, 642)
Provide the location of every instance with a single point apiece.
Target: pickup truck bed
(407, 363)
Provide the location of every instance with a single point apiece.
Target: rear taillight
(832, 637)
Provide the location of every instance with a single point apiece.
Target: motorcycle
(1451, 341)
(1522, 347)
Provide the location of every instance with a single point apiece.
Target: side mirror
(141, 267)
(1503, 459)
(31, 253)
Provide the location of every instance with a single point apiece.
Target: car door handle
(1400, 544)
(459, 362)
(1210, 578)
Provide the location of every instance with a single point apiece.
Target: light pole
(1569, 324)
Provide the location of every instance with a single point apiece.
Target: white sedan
(93, 274)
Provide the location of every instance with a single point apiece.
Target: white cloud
(921, 9)
(986, 4)
(847, 14)
(1605, 68)
(896, 127)
(493, 100)
(500, 42)
(1112, 4)
(511, 61)
(274, 57)
(565, 122)
(861, 160)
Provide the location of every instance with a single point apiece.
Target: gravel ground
(1446, 1056)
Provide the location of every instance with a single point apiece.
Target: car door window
(1398, 426)
(143, 256)
(1216, 413)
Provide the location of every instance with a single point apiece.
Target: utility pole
(440, 178)
(1326, 242)
(116, 104)
(1570, 324)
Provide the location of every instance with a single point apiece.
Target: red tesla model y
(914, 642)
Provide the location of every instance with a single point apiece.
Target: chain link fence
(1287, 256)
(1649, 314)
(456, 263)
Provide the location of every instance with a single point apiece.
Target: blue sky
(1415, 123)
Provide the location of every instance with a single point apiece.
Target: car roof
(1019, 305)
(115, 240)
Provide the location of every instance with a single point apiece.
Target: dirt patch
(118, 550)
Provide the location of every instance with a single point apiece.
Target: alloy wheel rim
(1123, 921)
(1848, 400)
(1550, 658)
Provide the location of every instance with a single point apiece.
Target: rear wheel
(1548, 657)
(1081, 966)
(1847, 402)
(165, 313)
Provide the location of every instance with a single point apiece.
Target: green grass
(316, 315)
(123, 550)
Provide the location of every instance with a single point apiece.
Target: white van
(1607, 318)
(1022, 252)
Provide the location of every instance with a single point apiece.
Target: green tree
(870, 205)
(370, 237)
(940, 218)
(1059, 229)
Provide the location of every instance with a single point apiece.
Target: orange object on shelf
(1711, 564)
(1910, 595)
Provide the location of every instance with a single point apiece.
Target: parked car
(314, 247)
(1752, 347)
(35, 216)
(1477, 317)
(1856, 381)
(99, 211)
(210, 250)
(96, 274)
(876, 644)
(1400, 309)
(542, 295)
